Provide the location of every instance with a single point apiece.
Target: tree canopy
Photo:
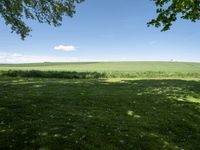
(169, 10)
(14, 12)
(44, 11)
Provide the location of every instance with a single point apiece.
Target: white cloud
(66, 48)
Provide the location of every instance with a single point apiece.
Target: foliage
(52, 11)
(52, 74)
(44, 11)
(169, 10)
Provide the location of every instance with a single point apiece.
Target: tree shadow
(99, 114)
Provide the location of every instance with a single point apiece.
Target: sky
(102, 30)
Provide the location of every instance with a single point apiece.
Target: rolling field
(118, 105)
(111, 69)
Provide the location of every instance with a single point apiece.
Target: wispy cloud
(16, 58)
(66, 48)
(153, 42)
(21, 58)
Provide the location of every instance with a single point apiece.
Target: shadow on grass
(99, 114)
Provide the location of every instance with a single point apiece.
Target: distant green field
(116, 69)
(109, 66)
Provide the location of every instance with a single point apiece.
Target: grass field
(110, 69)
(49, 109)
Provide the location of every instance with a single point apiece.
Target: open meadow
(100, 105)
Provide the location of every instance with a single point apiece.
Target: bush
(52, 74)
(95, 75)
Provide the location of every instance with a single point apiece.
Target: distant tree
(44, 11)
(52, 11)
(169, 10)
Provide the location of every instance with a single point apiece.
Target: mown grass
(43, 113)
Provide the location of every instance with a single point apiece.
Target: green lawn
(99, 114)
(47, 109)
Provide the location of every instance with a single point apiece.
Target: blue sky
(103, 30)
